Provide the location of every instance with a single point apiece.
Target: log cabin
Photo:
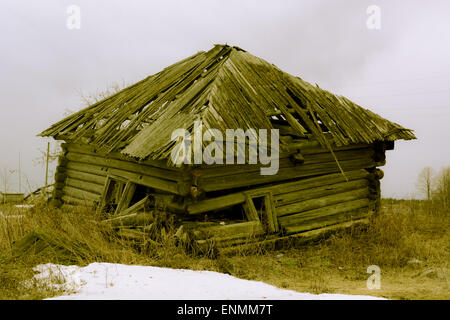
(118, 153)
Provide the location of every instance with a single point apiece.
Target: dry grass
(409, 241)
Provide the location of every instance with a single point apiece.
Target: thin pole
(20, 177)
(46, 166)
(4, 195)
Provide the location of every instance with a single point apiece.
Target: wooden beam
(156, 183)
(254, 178)
(297, 220)
(127, 196)
(298, 207)
(216, 203)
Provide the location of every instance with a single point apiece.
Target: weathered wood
(231, 231)
(138, 206)
(86, 168)
(217, 171)
(216, 203)
(86, 186)
(80, 194)
(132, 219)
(297, 239)
(106, 194)
(126, 198)
(87, 149)
(156, 183)
(126, 165)
(282, 191)
(88, 177)
(322, 202)
(254, 178)
(340, 217)
(250, 210)
(317, 192)
(168, 202)
(297, 220)
(271, 213)
(365, 153)
(75, 201)
(300, 130)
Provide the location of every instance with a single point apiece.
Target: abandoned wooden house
(117, 153)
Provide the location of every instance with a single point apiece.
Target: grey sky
(401, 71)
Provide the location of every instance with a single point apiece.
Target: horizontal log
(289, 241)
(279, 190)
(83, 185)
(80, 194)
(132, 219)
(231, 231)
(320, 149)
(88, 149)
(216, 171)
(88, 177)
(301, 218)
(86, 168)
(322, 202)
(318, 192)
(78, 202)
(254, 178)
(350, 215)
(365, 153)
(126, 165)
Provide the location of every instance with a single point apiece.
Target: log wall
(81, 175)
(305, 195)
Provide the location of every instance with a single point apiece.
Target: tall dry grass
(404, 231)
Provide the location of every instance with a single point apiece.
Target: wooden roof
(226, 88)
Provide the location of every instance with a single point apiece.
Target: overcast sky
(400, 71)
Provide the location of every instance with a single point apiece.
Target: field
(409, 241)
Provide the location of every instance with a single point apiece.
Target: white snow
(121, 282)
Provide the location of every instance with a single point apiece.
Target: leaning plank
(140, 205)
(126, 197)
(156, 183)
(216, 203)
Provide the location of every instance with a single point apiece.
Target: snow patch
(122, 282)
